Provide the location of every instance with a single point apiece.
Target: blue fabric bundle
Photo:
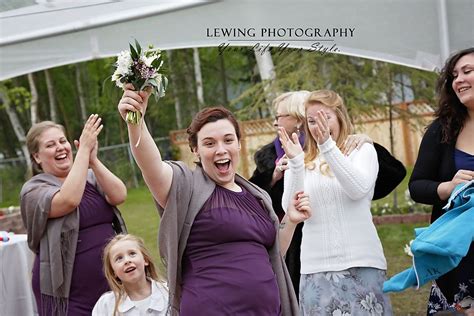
(439, 248)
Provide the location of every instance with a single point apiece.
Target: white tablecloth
(16, 261)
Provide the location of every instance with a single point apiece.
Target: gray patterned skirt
(351, 292)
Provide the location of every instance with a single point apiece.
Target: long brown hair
(32, 141)
(333, 101)
(115, 283)
(451, 112)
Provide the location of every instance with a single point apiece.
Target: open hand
(88, 139)
(299, 209)
(355, 141)
(291, 146)
(321, 128)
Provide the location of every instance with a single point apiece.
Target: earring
(298, 130)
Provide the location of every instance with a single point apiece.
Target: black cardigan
(435, 164)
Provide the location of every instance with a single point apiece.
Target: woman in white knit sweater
(342, 261)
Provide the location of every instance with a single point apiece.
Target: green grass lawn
(394, 237)
(142, 219)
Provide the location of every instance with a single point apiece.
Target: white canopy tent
(36, 35)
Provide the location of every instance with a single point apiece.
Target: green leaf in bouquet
(156, 63)
(163, 85)
(133, 117)
(139, 49)
(161, 89)
(133, 52)
(138, 83)
(153, 82)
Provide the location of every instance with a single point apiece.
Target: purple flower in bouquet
(142, 69)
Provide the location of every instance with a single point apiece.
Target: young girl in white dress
(131, 274)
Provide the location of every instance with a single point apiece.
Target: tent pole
(443, 30)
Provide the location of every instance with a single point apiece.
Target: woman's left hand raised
(88, 139)
(291, 146)
(322, 128)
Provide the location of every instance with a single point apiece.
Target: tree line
(245, 81)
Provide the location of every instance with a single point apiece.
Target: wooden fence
(408, 119)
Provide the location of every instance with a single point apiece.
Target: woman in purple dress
(69, 214)
(219, 237)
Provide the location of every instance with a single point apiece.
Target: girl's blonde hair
(114, 282)
(333, 101)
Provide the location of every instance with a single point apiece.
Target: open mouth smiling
(222, 164)
(130, 269)
(61, 157)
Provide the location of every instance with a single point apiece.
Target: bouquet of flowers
(142, 69)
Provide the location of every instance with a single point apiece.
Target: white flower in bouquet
(141, 68)
(124, 63)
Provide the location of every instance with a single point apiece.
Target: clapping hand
(299, 209)
(291, 145)
(88, 138)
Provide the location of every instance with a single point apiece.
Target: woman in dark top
(445, 159)
(219, 237)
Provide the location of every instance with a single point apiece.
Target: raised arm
(356, 176)
(156, 173)
(114, 189)
(70, 194)
(294, 174)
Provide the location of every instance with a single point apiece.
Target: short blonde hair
(333, 101)
(293, 103)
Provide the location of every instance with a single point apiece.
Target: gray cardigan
(188, 193)
(56, 238)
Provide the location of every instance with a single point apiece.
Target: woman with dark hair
(445, 159)
(220, 239)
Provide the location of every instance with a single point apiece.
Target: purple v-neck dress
(88, 281)
(226, 266)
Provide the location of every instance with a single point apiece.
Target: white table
(16, 261)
